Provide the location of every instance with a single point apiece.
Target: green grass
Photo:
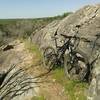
(33, 49)
(73, 88)
(38, 98)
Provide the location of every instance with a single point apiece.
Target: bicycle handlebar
(66, 36)
(76, 37)
(54, 37)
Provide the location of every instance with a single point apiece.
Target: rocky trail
(48, 88)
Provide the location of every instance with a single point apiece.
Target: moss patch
(38, 98)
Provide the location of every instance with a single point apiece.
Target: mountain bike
(77, 61)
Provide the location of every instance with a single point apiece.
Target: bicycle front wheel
(49, 57)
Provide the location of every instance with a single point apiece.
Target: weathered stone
(44, 37)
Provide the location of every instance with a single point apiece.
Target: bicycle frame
(60, 50)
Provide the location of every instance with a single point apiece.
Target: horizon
(19, 9)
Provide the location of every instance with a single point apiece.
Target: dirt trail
(50, 89)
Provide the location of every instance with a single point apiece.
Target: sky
(40, 8)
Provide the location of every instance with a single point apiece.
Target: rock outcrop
(84, 23)
(44, 37)
(14, 58)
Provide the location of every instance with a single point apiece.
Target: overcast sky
(39, 8)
